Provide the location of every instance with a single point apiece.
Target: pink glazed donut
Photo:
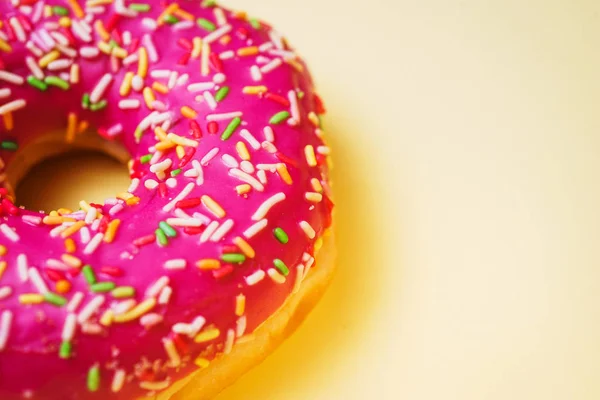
(175, 287)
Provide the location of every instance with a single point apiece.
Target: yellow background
(467, 151)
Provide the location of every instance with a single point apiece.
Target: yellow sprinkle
(107, 317)
(71, 127)
(8, 120)
(53, 220)
(184, 14)
(188, 112)
(276, 276)
(76, 8)
(180, 151)
(204, 59)
(160, 133)
(53, 213)
(171, 351)
(243, 189)
(254, 89)
(312, 117)
(169, 10)
(160, 88)
(64, 211)
(126, 84)
(242, 151)
(111, 230)
(72, 229)
(201, 362)
(166, 145)
(318, 244)
(284, 174)
(197, 47)
(74, 74)
(207, 335)
(240, 304)
(149, 97)
(48, 58)
(65, 22)
(124, 196)
(71, 260)
(101, 30)
(136, 312)
(104, 47)
(142, 62)
(84, 205)
(94, 3)
(3, 250)
(244, 247)
(309, 152)
(70, 246)
(313, 197)
(182, 141)
(317, 187)
(213, 206)
(208, 263)
(132, 201)
(31, 298)
(5, 47)
(3, 265)
(297, 66)
(248, 51)
(119, 52)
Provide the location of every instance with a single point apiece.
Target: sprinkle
(265, 69)
(111, 230)
(123, 292)
(276, 276)
(5, 324)
(120, 375)
(93, 378)
(229, 341)
(208, 263)
(5, 292)
(217, 34)
(233, 125)
(142, 62)
(161, 238)
(255, 73)
(159, 285)
(37, 83)
(139, 310)
(207, 335)
(308, 230)
(240, 326)
(255, 229)
(171, 350)
(183, 194)
(240, 305)
(280, 265)
(284, 173)
(12, 106)
(206, 24)
(213, 206)
(264, 208)
(223, 116)
(93, 244)
(90, 309)
(56, 81)
(256, 277)
(233, 258)
(244, 247)
(313, 197)
(201, 362)
(149, 97)
(55, 299)
(179, 263)
(22, 267)
(281, 235)
(254, 89)
(210, 229)
(279, 117)
(31, 298)
(222, 93)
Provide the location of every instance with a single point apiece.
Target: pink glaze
(102, 345)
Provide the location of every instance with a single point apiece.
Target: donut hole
(50, 174)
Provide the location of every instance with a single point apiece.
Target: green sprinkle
(138, 134)
(146, 159)
(9, 145)
(206, 24)
(36, 83)
(139, 7)
(222, 93)
(66, 348)
(281, 235)
(55, 299)
(176, 172)
(209, 3)
(234, 258)
(231, 128)
(301, 94)
(280, 265)
(102, 287)
(62, 11)
(93, 378)
(170, 19)
(255, 23)
(56, 81)
(123, 291)
(161, 238)
(85, 101)
(99, 105)
(88, 274)
(279, 117)
(167, 229)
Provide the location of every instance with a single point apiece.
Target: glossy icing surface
(228, 199)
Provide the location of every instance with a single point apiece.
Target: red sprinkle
(113, 271)
(54, 275)
(282, 157)
(188, 203)
(193, 230)
(162, 189)
(112, 22)
(223, 271)
(184, 59)
(277, 99)
(195, 130)
(180, 344)
(230, 248)
(185, 43)
(144, 240)
(213, 127)
(103, 224)
(187, 156)
(215, 62)
(319, 106)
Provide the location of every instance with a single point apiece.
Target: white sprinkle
(22, 267)
(34, 68)
(101, 87)
(255, 277)
(220, 16)
(116, 208)
(229, 341)
(219, 78)
(210, 229)
(90, 308)
(137, 83)
(18, 29)
(173, 79)
(53, 263)
(182, 195)
(216, 34)
(276, 38)
(34, 49)
(118, 380)
(5, 323)
(75, 302)
(247, 178)
(129, 104)
(149, 23)
(165, 295)
(5, 292)
(276, 276)
(37, 281)
(160, 73)
(191, 222)
(265, 47)
(171, 183)
(255, 73)
(4, 93)
(68, 331)
(269, 134)
(267, 205)
(256, 228)
(244, 133)
(93, 244)
(150, 48)
(265, 69)
(209, 156)
(223, 116)
(240, 326)
(161, 166)
(131, 59)
(123, 306)
(135, 183)
(9, 233)
(90, 215)
(79, 29)
(126, 38)
(269, 147)
(150, 184)
(183, 25)
(210, 100)
(56, 65)
(32, 219)
(222, 231)
(156, 288)
(226, 55)
(247, 167)
(294, 110)
(178, 263)
(199, 171)
(12, 106)
(182, 80)
(47, 39)
(89, 52)
(229, 161)
(262, 59)
(308, 230)
(262, 177)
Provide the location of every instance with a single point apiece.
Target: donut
(176, 286)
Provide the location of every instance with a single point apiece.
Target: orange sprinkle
(8, 121)
(171, 8)
(188, 112)
(309, 152)
(242, 150)
(132, 201)
(201, 362)
(225, 40)
(5, 47)
(160, 87)
(184, 14)
(142, 62)
(64, 211)
(3, 250)
(101, 30)
(63, 286)
(71, 127)
(254, 89)
(54, 219)
(317, 187)
(83, 126)
(240, 304)
(71, 260)
(3, 265)
(248, 51)
(125, 88)
(166, 145)
(244, 247)
(76, 8)
(182, 141)
(124, 196)
(243, 189)
(70, 245)
(284, 174)
(107, 317)
(74, 74)
(72, 229)
(111, 230)
(31, 298)
(208, 263)
(149, 97)
(213, 206)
